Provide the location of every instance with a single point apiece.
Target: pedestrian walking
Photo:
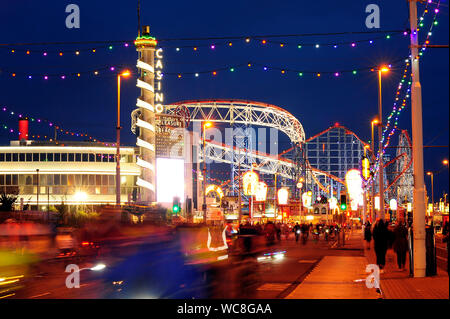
(400, 244)
(380, 237)
(368, 234)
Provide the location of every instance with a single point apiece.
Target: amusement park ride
(320, 162)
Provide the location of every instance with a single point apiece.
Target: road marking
(307, 261)
(274, 286)
(44, 294)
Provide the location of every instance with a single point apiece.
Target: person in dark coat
(380, 237)
(400, 244)
(368, 234)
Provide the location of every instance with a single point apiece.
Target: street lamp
(205, 125)
(381, 70)
(124, 74)
(374, 122)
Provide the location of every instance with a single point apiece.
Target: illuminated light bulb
(249, 65)
(112, 68)
(336, 74)
(13, 74)
(435, 22)
(96, 72)
(265, 68)
(77, 52)
(78, 74)
(232, 69)
(318, 74)
(93, 50)
(388, 36)
(45, 77)
(335, 46)
(263, 41)
(300, 74)
(282, 71)
(230, 44)
(29, 77)
(213, 47)
(247, 40)
(12, 51)
(436, 10)
(317, 46)
(371, 41)
(63, 77)
(126, 45)
(354, 72)
(196, 75)
(353, 45)
(179, 76)
(45, 53)
(299, 46)
(110, 47)
(28, 52)
(214, 73)
(195, 48)
(281, 44)
(177, 49)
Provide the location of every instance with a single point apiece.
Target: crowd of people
(386, 236)
(275, 232)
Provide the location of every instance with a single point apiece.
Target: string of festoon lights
(397, 109)
(51, 124)
(96, 72)
(226, 41)
(281, 70)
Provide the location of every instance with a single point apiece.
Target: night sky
(87, 104)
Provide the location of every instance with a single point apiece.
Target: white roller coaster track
(243, 112)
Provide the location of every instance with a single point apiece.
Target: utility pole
(419, 252)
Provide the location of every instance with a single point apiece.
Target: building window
(91, 157)
(71, 157)
(43, 157)
(35, 157)
(15, 157)
(57, 179)
(57, 157)
(64, 157)
(78, 157)
(8, 157)
(22, 157)
(2, 179)
(2, 157)
(92, 180)
(98, 180)
(63, 179)
(84, 157)
(29, 157)
(50, 157)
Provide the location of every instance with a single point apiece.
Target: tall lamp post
(124, 74)
(380, 144)
(375, 121)
(204, 127)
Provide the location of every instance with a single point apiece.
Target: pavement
(343, 277)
